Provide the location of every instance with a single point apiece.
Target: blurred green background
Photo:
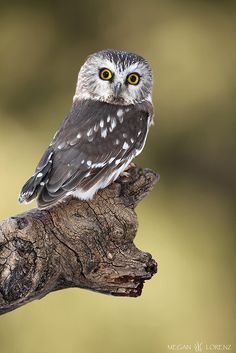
(188, 221)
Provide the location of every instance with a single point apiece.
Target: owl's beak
(117, 89)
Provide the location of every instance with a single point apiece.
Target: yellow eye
(105, 74)
(133, 79)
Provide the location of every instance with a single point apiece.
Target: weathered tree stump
(77, 244)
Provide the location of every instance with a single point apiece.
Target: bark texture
(77, 244)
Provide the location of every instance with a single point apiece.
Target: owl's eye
(133, 79)
(105, 74)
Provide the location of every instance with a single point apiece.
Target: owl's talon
(130, 166)
(125, 174)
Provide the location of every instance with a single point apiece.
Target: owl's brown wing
(91, 146)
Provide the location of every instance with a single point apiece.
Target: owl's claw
(130, 166)
(126, 173)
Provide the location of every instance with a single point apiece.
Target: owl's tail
(35, 184)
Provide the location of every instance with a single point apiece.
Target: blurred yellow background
(188, 221)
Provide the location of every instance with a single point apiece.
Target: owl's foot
(127, 172)
(130, 166)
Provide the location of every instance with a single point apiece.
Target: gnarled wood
(77, 244)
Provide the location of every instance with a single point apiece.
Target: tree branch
(77, 244)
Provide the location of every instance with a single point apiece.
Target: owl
(104, 130)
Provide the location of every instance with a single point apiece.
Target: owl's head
(116, 77)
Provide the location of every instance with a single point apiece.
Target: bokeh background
(188, 221)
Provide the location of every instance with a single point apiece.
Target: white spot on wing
(108, 118)
(104, 132)
(132, 140)
(98, 165)
(120, 112)
(139, 132)
(117, 142)
(39, 175)
(113, 124)
(125, 135)
(101, 123)
(111, 160)
(89, 132)
(117, 161)
(120, 119)
(89, 163)
(125, 146)
(95, 128)
(78, 136)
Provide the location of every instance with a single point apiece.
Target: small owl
(105, 129)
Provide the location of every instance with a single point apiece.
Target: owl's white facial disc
(119, 89)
